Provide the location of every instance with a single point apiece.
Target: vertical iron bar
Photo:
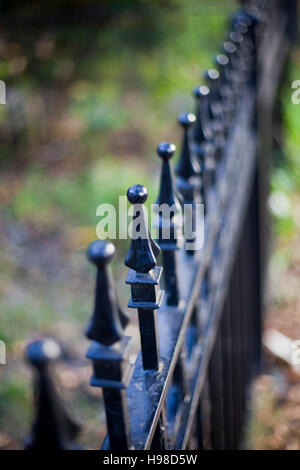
(116, 417)
(144, 277)
(243, 275)
(168, 223)
(216, 396)
(110, 349)
(235, 340)
(170, 276)
(159, 441)
(199, 425)
(227, 376)
(256, 258)
(149, 338)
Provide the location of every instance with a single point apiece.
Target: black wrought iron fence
(201, 340)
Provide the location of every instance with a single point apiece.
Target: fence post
(110, 349)
(144, 277)
(188, 177)
(204, 145)
(227, 97)
(202, 130)
(168, 223)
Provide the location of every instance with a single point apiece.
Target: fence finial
(105, 325)
(202, 129)
(53, 427)
(167, 195)
(168, 224)
(230, 50)
(187, 165)
(212, 77)
(143, 251)
(241, 16)
(188, 173)
(110, 349)
(236, 37)
(221, 61)
(144, 277)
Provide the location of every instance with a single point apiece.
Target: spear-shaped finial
(242, 16)
(228, 104)
(187, 165)
(144, 277)
(167, 195)
(212, 78)
(222, 62)
(240, 27)
(188, 181)
(105, 325)
(168, 223)
(230, 49)
(53, 428)
(143, 251)
(110, 349)
(245, 23)
(202, 129)
(233, 70)
(215, 110)
(236, 37)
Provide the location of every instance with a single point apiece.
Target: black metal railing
(201, 340)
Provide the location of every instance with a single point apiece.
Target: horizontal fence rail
(199, 311)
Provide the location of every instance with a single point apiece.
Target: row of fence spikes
(204, 140)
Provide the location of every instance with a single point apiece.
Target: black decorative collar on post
(110, 349)
(169, 223)
(53, 428)
(144, 277)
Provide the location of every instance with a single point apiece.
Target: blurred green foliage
(285, 178)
